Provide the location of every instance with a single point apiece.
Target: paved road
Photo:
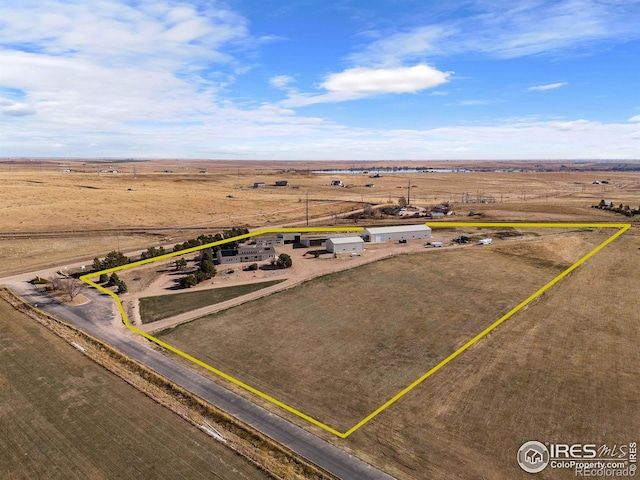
(96, 319)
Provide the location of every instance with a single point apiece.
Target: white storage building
(399, 232)
(344, 244)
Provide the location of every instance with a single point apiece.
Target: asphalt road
(95, 318)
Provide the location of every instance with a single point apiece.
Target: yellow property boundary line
(86, 278)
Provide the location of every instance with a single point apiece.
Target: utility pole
(307, 209)
(135, 173)
(409, 193)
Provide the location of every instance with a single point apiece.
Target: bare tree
(56, 283)
(71, 287)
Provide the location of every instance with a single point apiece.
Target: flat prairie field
(339, 346)
(64, 417)
(564, 370)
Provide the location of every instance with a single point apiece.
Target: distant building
(485, 241)
(344, 244)
(400, 232)
(282, 183)
(337, 183)
(259, 185)
(244, 254)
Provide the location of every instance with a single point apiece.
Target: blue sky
(312, 79)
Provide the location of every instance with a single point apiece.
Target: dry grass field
(339, 346)
(40, 197)
(64, 417)
(567, 369)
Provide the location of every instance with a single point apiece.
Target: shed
(485, 241)
(337, 183)
(399, 232)
(259, 185)
(345, 244)
(314, 242)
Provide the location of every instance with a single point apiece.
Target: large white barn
(345, 244)
(399, 232)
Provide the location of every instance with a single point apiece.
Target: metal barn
(344, 244)
(396, 233)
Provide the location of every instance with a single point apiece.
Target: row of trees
(206, 239)
(623, 209)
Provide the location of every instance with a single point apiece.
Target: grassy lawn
(339, 346)
(165, 306)
(64, 417)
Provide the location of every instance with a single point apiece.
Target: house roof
(397, 229)
(345, 240)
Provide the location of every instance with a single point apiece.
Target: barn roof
(397, 229)
(345, 240)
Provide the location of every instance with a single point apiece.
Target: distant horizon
(150, 159)
(347, 80)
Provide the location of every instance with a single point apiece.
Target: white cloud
(507, 30)
(276, 110)
(574, 125)
(550, 86)
(108, 63)
(635, 118)
(391, 50)
(471, 103)
(281, 81)
(367, 81)
(355, 83)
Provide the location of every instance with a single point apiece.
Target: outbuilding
(344, 244)
(396, 233)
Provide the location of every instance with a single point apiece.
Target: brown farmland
(339, 346)
(168, 201)
(565, 370)
(62, 416)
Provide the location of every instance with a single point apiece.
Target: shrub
(104, 278)
(253, 267)
(188, 281)
(122, 287)
(284, 261)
